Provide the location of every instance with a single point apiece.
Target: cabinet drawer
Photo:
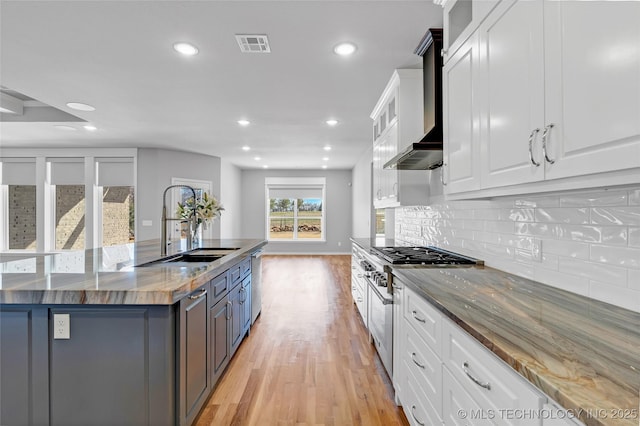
(425, 319)
(459, 408)
(425, 366)
(235, 274)
(417, 406)
(494, 385)
(245, 267)
(219, 288)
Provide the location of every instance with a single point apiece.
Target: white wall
(590, 239)
(362, 203)
(156, 167)
(337, 206)
(231, 199)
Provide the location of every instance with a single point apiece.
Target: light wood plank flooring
(308, 360)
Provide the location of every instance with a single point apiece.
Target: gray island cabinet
(145, 346)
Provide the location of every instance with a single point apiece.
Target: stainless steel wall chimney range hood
(426, 154)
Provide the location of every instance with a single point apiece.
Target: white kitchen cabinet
(512, 95)
(461, 119)
(358, 284)
(558, 98)
(461, 18)
(447, 377)
(554, 415)
(397, 123)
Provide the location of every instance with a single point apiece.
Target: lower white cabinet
(447, 377)
(557, 416)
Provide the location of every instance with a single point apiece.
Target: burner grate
(422, 255)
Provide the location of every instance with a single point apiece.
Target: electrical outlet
(61, 326)
(536, 249)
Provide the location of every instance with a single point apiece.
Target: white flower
(206, 209)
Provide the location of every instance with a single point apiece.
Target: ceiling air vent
(253, 43)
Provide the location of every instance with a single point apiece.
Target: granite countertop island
(583, 353)
(109, 275)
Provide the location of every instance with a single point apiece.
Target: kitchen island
(89, 337)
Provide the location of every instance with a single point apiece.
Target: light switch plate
(61, 326)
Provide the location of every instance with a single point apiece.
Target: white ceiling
(118, 57)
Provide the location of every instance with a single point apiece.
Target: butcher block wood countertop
(109, 275)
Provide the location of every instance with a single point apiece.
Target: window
(115, 178)
(295, 209)
(50, 203)
(18, 203)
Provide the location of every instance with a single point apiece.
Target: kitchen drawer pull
(532, 137)
(359, 299)
(414, 313)
(465, 368)
(545, 134)
(203, 292)
(379, 194)
(413, 358)
(413, 407)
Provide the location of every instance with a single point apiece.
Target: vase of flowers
(205, 209)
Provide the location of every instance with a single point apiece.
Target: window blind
(115, 171)
(66, 171)
(18, 171)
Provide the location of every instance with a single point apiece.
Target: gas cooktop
(423, 255)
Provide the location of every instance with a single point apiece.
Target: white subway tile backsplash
(590, 239)
(566, 248)
(600, 198)
(634, 237)
(562, 215)
(614, 275)
(620, 256)
(625, 297)
(615, 215)
(633, 279)
(517, 215)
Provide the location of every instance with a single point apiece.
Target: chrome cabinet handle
(203, 292)
(414, 313)
(413, 355)
(353, 287)
(229, 310)
(413, 407)
(379, 194)
(442, 174)
(465, 368)
(395, 189)
(532, 137)
(547, 129)
(359, 299)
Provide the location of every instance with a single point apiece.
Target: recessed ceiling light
(344, 49)
(327, 148)
(331, 122)
(90, 128)
(244, 122)
(325, 158)
(80, 107)
(185, 48)
(265, 167)
(257, 158)
(324, 167)
(246, 148)
(68, 128)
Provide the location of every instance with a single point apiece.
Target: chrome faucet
(165, 219)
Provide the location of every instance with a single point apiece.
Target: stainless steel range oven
(377, 266)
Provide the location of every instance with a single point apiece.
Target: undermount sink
(201, 255)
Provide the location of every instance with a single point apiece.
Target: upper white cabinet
(461, 119)
(461, 18)
(397, 123)
(558, 98)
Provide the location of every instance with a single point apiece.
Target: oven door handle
(377, 293)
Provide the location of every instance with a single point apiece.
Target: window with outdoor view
(295, 209)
